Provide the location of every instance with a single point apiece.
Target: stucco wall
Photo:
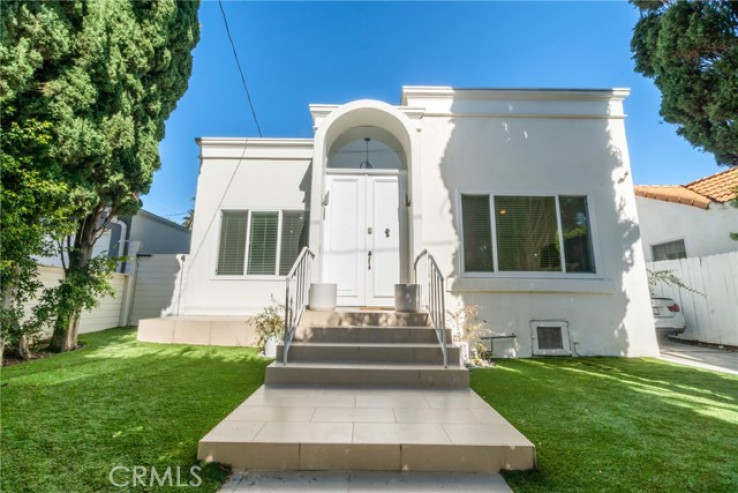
(704, 231)
(464, 142)
(255, 177)
(559, 150)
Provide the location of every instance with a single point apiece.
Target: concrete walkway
(355, 482)
(367, 429)
(700, 357)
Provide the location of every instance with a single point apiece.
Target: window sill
(531, 285)
(249, 278)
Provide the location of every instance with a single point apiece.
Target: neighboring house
(524, 198)
(142, 234)
(143, 285)
(692, 220)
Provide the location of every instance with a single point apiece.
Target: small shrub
(270, 322)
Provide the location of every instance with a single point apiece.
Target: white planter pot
(464, 350)
(322, 297)
(407, 298)
(270, 347)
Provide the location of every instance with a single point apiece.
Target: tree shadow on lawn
(618, 424)
(68, 420)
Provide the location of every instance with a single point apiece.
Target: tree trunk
(66, 327)
(8, 301)
(24, 347)
(65, 334)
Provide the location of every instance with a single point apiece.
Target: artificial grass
(615, 424)
(599, 424)
(69, 419)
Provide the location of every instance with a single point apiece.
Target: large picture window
(269, 240)
(531, 234)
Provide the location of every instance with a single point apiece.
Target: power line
(240, 70)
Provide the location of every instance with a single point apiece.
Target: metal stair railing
(296, 296)
(433, 293)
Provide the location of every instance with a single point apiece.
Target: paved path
(700, 356)
(356, 482)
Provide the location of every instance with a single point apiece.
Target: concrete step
(363, 318)
(367, 429)
(369, 334)
(366, 375)
(397, 353)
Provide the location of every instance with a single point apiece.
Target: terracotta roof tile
(720, 187)
(673, 193)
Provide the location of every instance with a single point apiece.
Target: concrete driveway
(700, 356)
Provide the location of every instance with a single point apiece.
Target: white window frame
(529, 274)
(666, 242)
(245, 275)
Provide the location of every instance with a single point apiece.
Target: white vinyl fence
(148, 290)
(156, 287)
(108, 312)
(713, 317)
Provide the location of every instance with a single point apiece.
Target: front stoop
(368, 349)
(367, 429)
(367, 391)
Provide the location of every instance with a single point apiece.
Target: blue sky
(295, 54)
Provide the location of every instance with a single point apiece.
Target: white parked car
(667, 317)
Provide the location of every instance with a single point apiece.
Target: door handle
(369, 259)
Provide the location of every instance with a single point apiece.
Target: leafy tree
(34, 209)
(690, 49)
(106, 81)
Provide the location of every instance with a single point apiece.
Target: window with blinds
(527, 234)
(263, 243)
(294, 238)
(531, 234)
(232, 249)
(271, 235)
(477, 232)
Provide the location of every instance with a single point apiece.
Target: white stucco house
(692, 220)
(523, 197)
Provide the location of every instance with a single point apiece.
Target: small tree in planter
(270, 328)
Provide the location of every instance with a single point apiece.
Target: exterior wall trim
(515, 94)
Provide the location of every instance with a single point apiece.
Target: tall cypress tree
(106, 81)
(690, 49)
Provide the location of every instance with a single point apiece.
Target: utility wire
(240, 70)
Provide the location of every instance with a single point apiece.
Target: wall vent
(550, 338)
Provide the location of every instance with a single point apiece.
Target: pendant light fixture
(365, 163)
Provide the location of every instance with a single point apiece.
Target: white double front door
(364, 237)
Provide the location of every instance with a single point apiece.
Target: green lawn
(599, 424)
(69, 419)
(612, 424)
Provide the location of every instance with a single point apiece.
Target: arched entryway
(358, 208)
(365, 235)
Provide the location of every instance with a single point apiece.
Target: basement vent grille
(550, 338)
